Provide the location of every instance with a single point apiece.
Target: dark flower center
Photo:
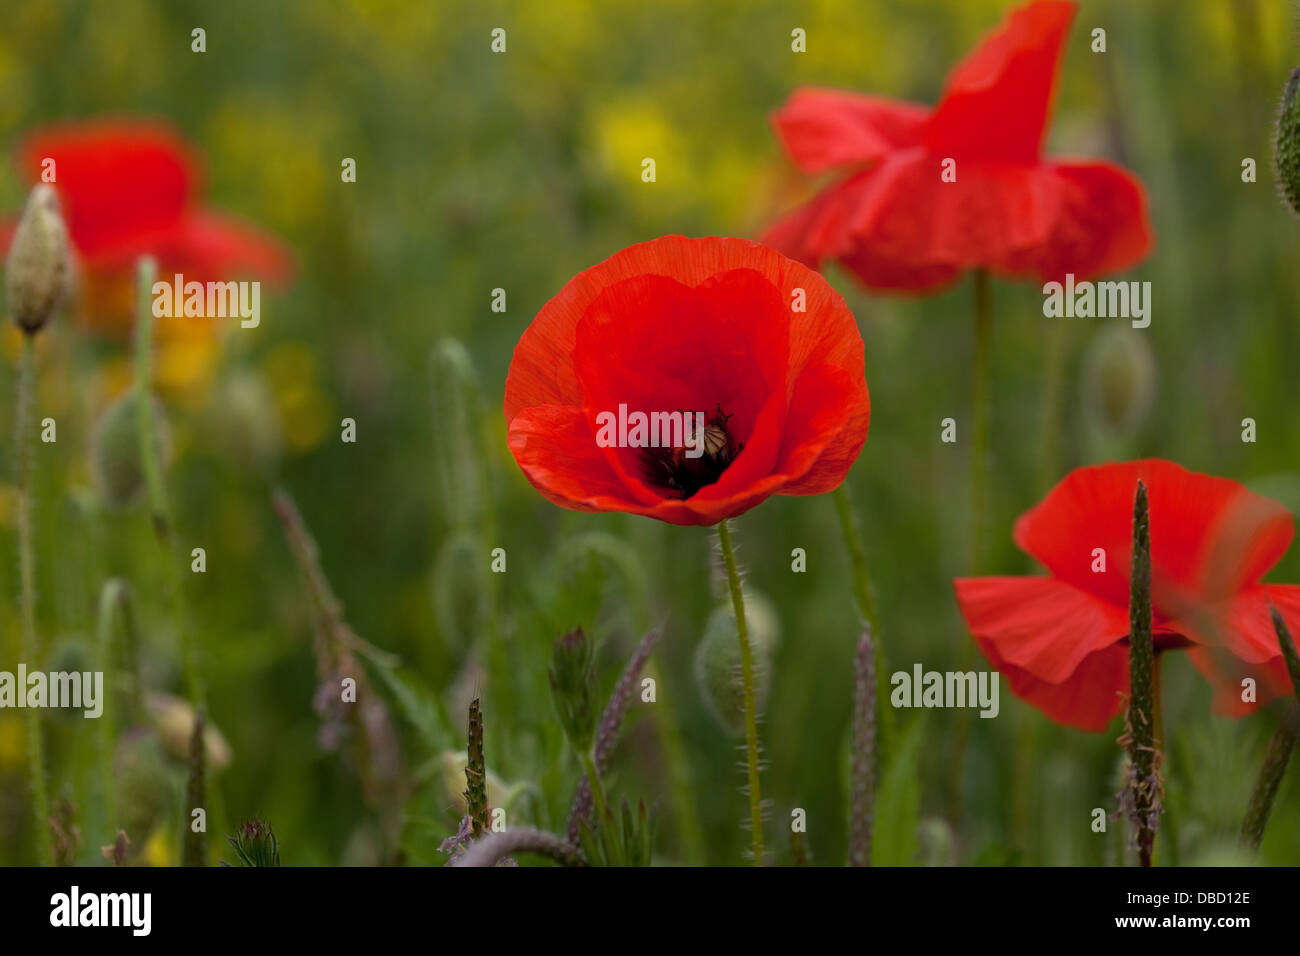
(682, 471)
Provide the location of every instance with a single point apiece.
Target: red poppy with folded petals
(762, 348)
(891, 219)
(130, 188)
(1062, 641)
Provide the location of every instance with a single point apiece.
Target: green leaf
(898, 803)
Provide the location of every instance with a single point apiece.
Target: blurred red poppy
(131, 187)
(1062, 641)
(757, 343)
(893, 221)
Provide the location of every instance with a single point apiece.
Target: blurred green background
(478, 171)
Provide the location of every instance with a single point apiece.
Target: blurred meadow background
(478, 171)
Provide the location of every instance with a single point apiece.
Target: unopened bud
(36, 273)
(717, 660)
(115, 450)
(1287, 145)
(573, 680)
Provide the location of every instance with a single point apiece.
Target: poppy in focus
(754, 347)
(923, 194)
(1062, 641)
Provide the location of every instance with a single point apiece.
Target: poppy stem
(1049, 439)
(980, 415)
(1144, 769)
(151, 465)
(865, 595)
(27, 574)
(124, 706)
(747, 681)
(1279, 750)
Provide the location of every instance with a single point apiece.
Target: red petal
(202, 247)
(1089, 699)
(1099, 225)
(656, 345)
(541, 370)
(826, 428)
(554, 447)
(997, 100)
(1209, 536)
(1043, 626)
(117, 178)
(823, 128)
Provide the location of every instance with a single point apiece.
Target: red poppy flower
(891, 220)
(1062, 641)
(130, 188)
(761, 347)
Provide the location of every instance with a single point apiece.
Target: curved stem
(27, 574)
(747, 680)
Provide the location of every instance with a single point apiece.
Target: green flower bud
(255, 844)
(1119, 380)
(573, 685)
(717, 660)
(36, 273)
(115, 450)
(1286, 150)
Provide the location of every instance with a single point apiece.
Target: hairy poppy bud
(255, 844)
(573, 680)
(717, 660)
(36, 273)
(115, 450)
(1119, 379)
(1287, 145)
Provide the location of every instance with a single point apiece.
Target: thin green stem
(1279, 750)
(151, 464)
(980, 416)
(1049, 436)
(27, 574)
(124, 687)
(747, 681)
(603, 817)
(865, 595)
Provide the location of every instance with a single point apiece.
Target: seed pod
(36, 273)
(115, 450)
(1286, 149)
(717, 660)
(1119, 380)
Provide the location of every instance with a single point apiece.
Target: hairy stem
(1279, 750)
(862, 791)
(124, 688)
(1142, 743)
(495, 847)
(27, 574)
(747, 681)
